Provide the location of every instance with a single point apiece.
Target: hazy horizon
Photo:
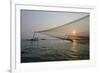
(35, 20)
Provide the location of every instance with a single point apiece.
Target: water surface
(53, 50)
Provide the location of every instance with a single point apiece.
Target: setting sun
(73, 32)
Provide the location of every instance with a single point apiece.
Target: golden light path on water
(74, 47)
(74, 51)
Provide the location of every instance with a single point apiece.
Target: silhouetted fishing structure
(65, 32)
(69, 41)
(70, 31)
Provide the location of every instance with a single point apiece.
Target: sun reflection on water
(74, 51)
(74, 45)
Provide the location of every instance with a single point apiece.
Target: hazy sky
(32, 20)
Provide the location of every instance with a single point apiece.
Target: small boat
(43, 39)
(34, 39)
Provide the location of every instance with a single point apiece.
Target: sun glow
(73, 32)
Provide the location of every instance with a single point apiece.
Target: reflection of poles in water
(33, 43)
(35, 40)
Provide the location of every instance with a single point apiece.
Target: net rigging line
(80, 26)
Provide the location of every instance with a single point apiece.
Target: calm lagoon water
(53, 50)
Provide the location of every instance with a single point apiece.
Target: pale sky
(32, 20)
